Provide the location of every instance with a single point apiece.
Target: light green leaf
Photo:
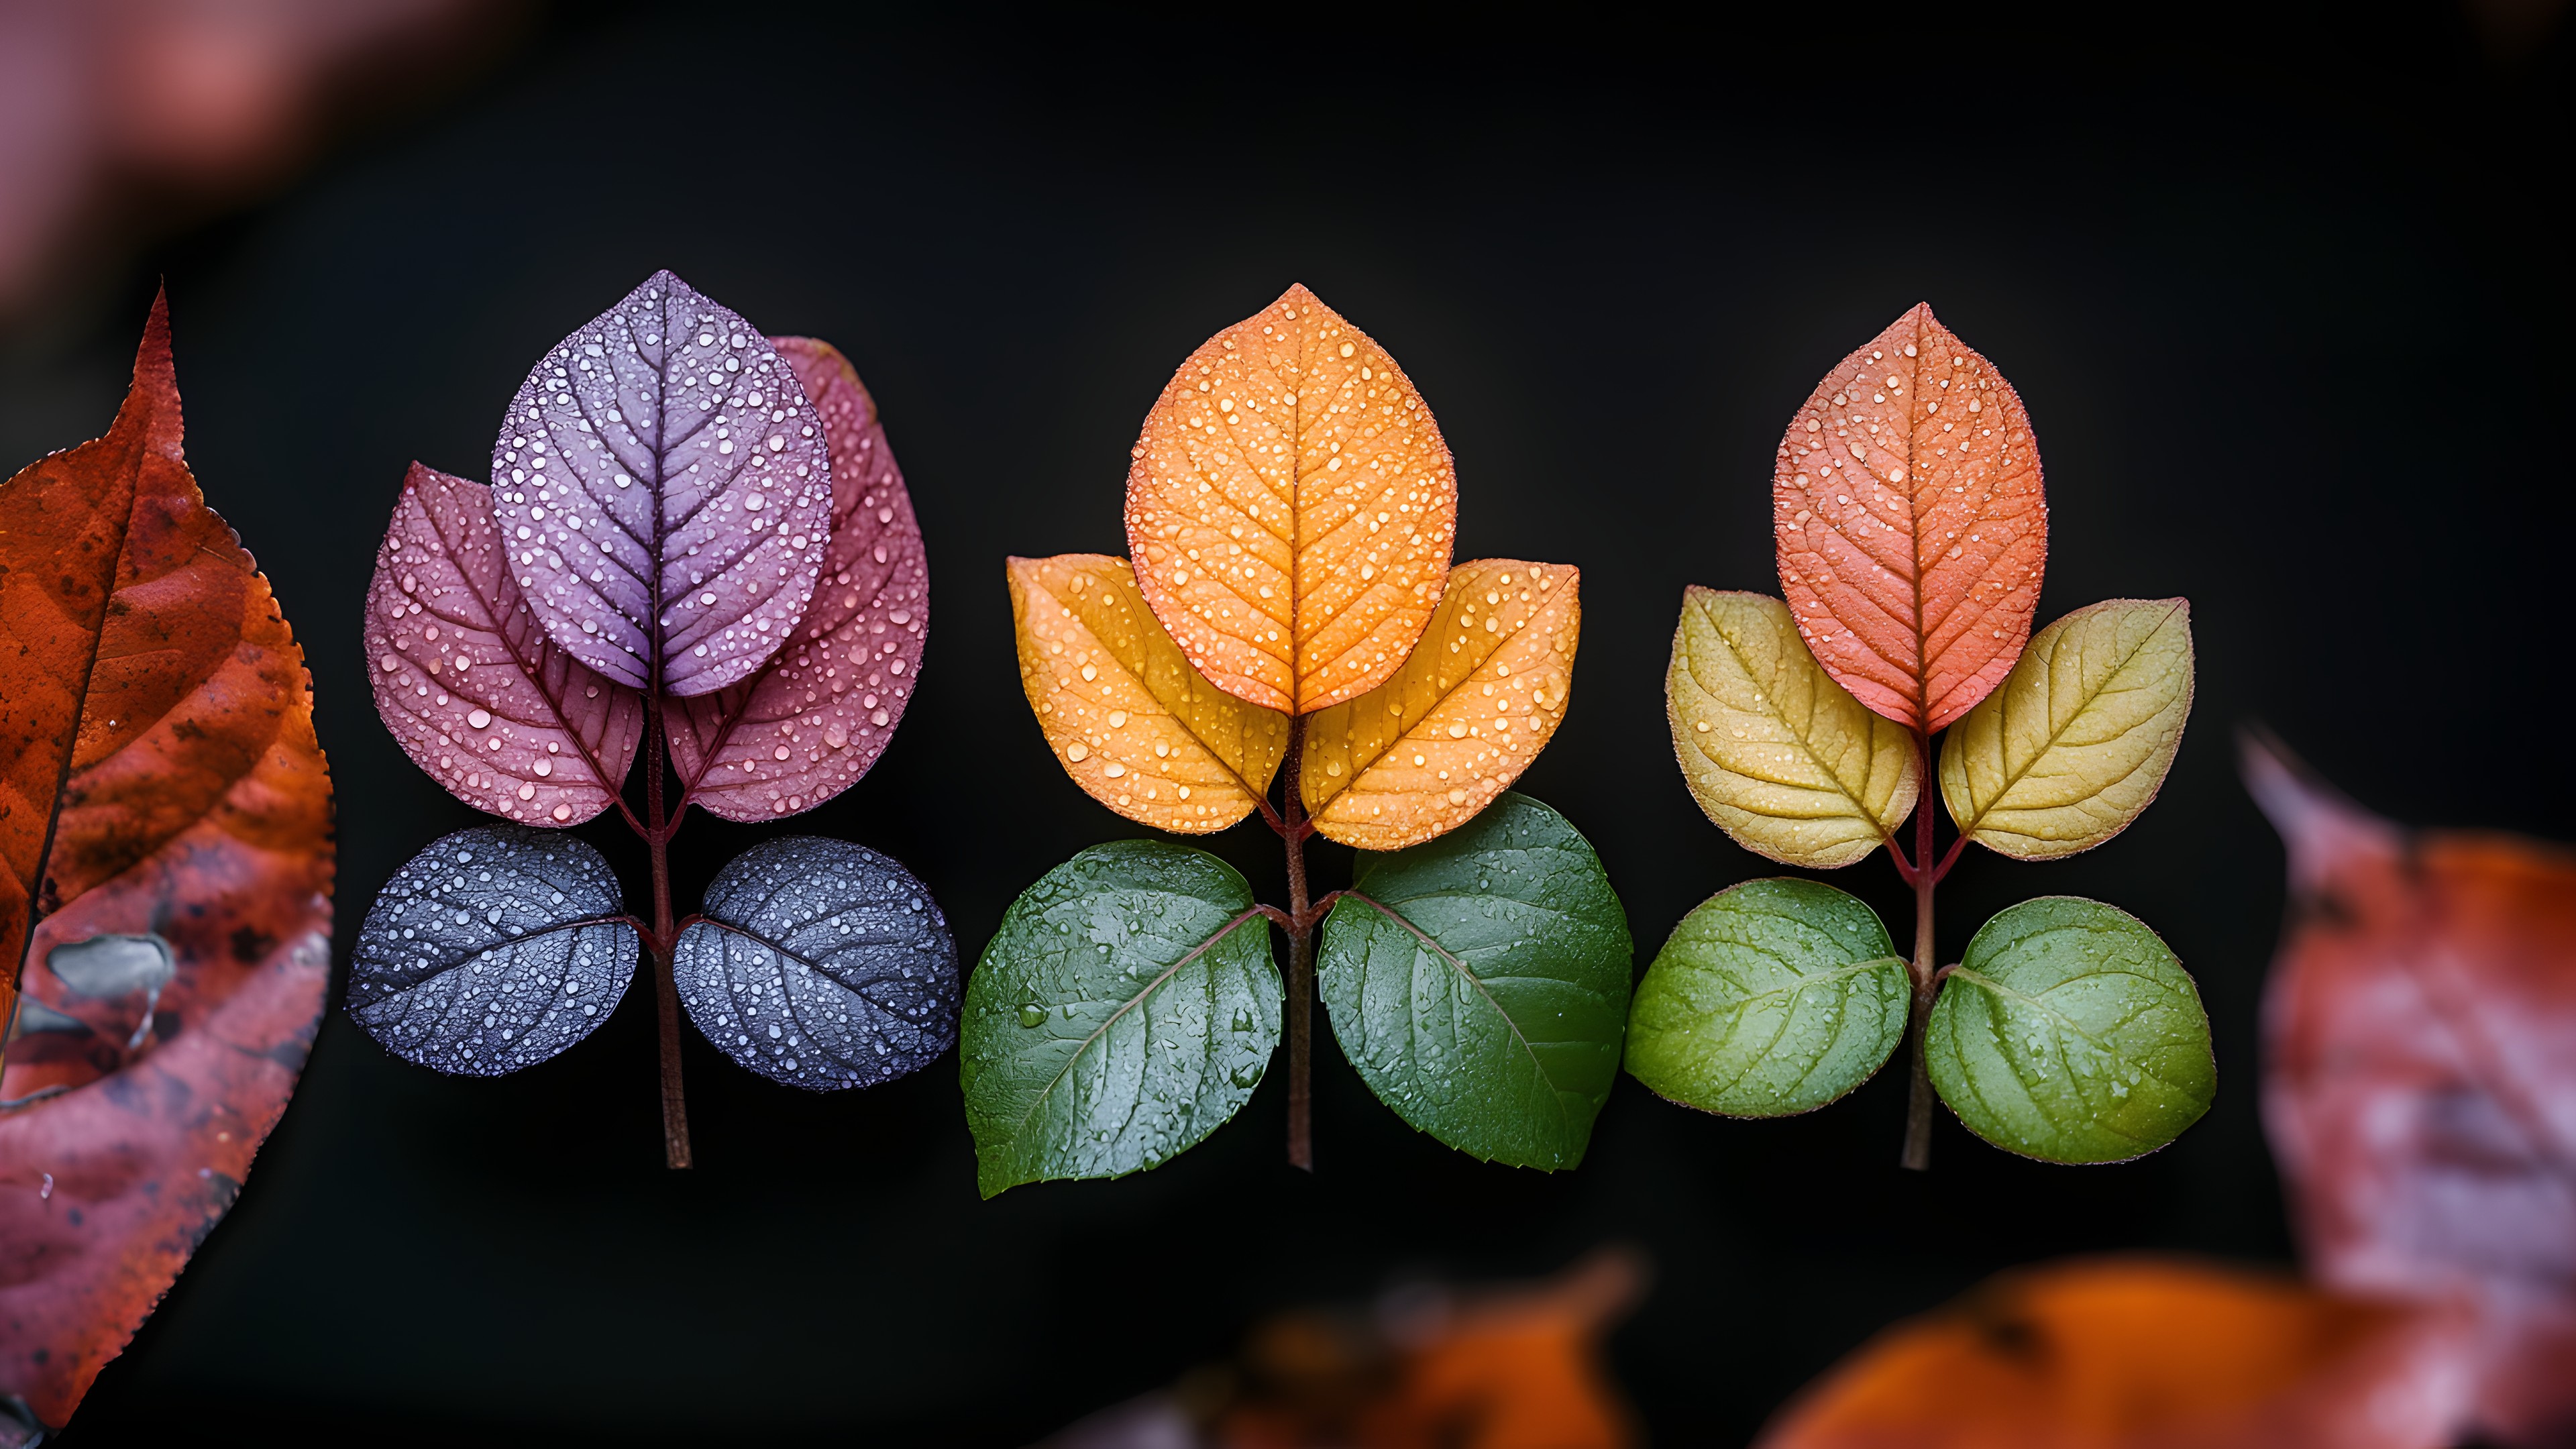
(1479, 983)
(2070, 1033)
(1123, 1011)
(2078, 739)
(1771, 998)
(1780, 756)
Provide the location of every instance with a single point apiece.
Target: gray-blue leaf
(821, 964)
(492, 950)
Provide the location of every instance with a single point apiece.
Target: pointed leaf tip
(2321, 827)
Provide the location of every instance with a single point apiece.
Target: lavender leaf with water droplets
(469, 683)
(492, 950)
(821, 964)
(820, 711)
(665, 491)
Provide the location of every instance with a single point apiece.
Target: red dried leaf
(820, 711)
(173, 993)
(1911, 524)
(2141, 1355)
(466, 678)
(2419, 1078)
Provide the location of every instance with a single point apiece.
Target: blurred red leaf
(2127, 1354)
(2419, 1079)
(158, 730)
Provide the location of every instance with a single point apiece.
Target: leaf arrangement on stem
(1912, 532)
(1291, 510)
(695, 542)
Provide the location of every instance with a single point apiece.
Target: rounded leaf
(820, 964)
(665, 491)
(1771, 998)
(1426, 751)
(1124, 1010)
(2070, 1033)
(1783, 759)
(2077, 742)
(1291, 509)
(492, 950)
(1480, 984)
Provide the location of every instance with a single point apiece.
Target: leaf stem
(1301, 984)
(1925, 878)
(661, 942)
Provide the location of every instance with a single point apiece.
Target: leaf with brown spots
(1291, 509)
(168, 820)
(1422, 753)
(1911, 525)
(1123, 712)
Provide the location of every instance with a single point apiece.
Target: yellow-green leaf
(1125, 714)
(2078, 739)
(1780, 756)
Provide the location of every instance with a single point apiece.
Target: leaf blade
(1451, 706)
(2076, 742)
(1778, 755)
(2069, 1033)
(1122, 710)
(1534, 997)
(1770, 998)
(1088, 1096)
(1253, 509)
(1911, 524)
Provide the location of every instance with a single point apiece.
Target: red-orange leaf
(2141, 1355)
(2419, 1078)
(159, 725)
(1911, 526)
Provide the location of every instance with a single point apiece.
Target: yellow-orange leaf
(1422, 753)
(1911, 527)
(1125, 714)
(1291, 509)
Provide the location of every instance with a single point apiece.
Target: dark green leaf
(2070, 1033)
(1479, 983)
(1124, 1010)
(1774, 997)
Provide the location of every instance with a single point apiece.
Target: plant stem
(664, 938)
(1923, 969)
(1301, 984)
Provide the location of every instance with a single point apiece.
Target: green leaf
(1771, 998)
(2070, 1033)
(1123, 1011)
(1479, 982)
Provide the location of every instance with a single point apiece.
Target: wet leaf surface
(1291, 509)
(2069, 1033)
(1780, 757)
(149, 687)
(1479, 984)
(821, 964)
(1772, 997)
(466, 678)
(492, 950)
(820, 711)
(1126, 1008)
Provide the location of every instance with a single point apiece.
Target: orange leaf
(159, 725)
(2126, 1354)
(1123, 712)
(1291, 509)
(1422, 753)
(2419, 1078)
(1911, 526)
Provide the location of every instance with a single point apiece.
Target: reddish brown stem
(1295, 827)
(1924, 972)
(659, 944)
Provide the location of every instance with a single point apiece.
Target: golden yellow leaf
(2078, 739)
(1125, 714)
(1781, 757)
(1422, 753)
(1291, 509)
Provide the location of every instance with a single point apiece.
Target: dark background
(2285, 291)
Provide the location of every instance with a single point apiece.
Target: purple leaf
(467, 681)
(820, 711)
(664, 489)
